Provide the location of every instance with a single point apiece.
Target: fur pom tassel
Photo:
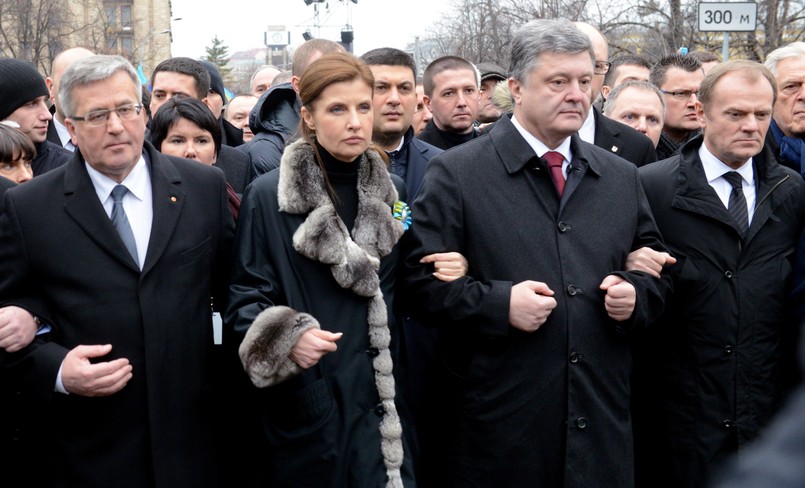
(266, 348)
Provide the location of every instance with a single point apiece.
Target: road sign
(727, 16)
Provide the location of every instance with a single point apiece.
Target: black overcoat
(550, 408)
(718, 346)
(62, 259)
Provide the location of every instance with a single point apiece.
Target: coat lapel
(83, 206)
(168, 202)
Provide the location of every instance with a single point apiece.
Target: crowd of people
(575, 271)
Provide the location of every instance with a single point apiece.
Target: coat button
(574, 357)
(581, 423)
(563, 227)
(727, 423)
(572, 290)
(728, 274)
(380, 410)
(728, 349)
(373, 352)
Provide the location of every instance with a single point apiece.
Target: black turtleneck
(344, 181)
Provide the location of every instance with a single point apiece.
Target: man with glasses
(118, 252)
(678, 76)
(617, 138)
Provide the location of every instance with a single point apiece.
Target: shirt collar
(136, 181)
(714, 168)
(538, 146)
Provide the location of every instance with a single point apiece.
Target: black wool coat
(63, 260)
(549, 408)
(710, 369)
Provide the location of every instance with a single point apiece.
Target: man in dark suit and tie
(615, 137)
(534, 340)
(119, 252)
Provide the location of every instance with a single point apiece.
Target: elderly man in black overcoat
(536, 337)
(124, 378)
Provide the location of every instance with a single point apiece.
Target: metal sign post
(727, 17)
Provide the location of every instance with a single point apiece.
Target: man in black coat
(711, 370)
(451, 94)
(535, 339)
(23, 101)
(124, 378)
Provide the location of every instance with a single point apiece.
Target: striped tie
(737, 204)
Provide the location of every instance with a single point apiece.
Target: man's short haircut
(545, 36)
(91, 70)
(625, 60)
(751, 70)
(793, 50)
(704, 56)
(443, 64)
(303, 54)
(637, 84)
(388, 56)
(680, 61)
(189, 67)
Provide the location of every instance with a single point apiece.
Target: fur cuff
(265, 351)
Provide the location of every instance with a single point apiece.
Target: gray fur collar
(354, 260)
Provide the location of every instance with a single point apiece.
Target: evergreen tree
(218, 55)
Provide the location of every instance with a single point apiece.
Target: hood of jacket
(276, 111)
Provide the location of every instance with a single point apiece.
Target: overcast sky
(241, 23)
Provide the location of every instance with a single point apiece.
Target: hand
(81, 377)
(17, 328)
(531, 304)
(312, 346)
(648, 260)
(620, 298)
(449, 265)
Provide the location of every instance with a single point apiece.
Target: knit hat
(216, 82)
(20, 83)
(491, 70)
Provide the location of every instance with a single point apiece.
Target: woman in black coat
(316, 252)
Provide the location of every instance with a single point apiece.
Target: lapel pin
(173, 199)
(614, 149)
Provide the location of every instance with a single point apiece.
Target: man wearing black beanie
(23, 100)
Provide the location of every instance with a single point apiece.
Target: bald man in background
(57, 132)
(617, 138)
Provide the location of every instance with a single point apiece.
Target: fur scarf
(354, 261)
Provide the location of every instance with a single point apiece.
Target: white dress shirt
(64, 134)
(714, 171)
(540, 148)
(587, 131)
(137, 202)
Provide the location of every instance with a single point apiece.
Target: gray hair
(92, 70)
(545, 35)
(793, 50)
(638, 84)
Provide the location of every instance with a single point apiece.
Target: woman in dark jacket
(316, 252)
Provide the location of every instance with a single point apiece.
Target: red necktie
(555, 161)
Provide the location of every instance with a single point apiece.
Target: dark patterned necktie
(737, 203)
(121, 222)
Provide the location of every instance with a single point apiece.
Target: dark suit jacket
(236, 167)
(536, 406)
(623, 140)
(62, 259)
(5, 184)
